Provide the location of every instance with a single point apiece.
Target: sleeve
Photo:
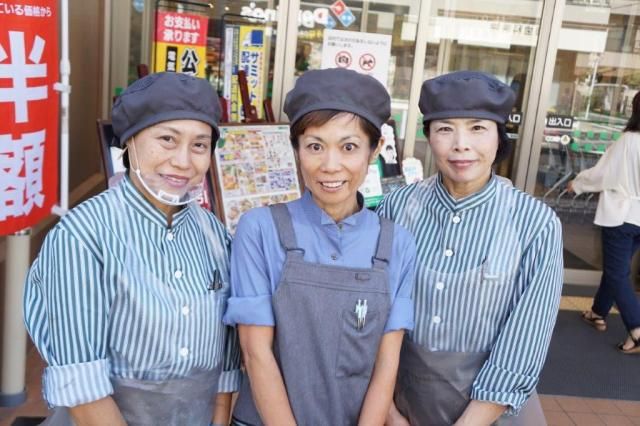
(605, 174)
(66, 315)
(229, 380)
(511, 372)
(402, 276)
(251, 290)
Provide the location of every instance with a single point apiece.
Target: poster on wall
(366, 53)
(244, 50)
(180, 43)
(29, 108)
(255, 166)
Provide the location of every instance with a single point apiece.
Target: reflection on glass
(596, 75)
(480, 36)
(374, 17)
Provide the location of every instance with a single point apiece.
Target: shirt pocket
(358, 347)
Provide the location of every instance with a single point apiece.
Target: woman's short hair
(504, 142)
(321, 117)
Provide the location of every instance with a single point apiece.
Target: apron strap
(282, 220)
(385, 244)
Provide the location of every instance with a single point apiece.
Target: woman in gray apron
(125, 300)
(488, 269)
(320, 287)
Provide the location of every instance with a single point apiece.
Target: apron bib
(325, 357)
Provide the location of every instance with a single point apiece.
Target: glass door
(595, 76)
(484, 36)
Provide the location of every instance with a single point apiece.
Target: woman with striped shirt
(125, 300)
(488, 269)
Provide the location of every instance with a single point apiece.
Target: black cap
(162, 97)
(342, 90)
(466, 94)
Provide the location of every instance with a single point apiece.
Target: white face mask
(164, 189)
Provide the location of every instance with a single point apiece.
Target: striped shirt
(116, 293)
(488, 279)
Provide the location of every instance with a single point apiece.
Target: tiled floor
(570, 411)
(559, 410)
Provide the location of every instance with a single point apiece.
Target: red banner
(29, 112)
(181, 28)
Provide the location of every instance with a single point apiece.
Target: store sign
(366, 53)
(554, 121)
(181, 43)
(29, 112)
(244, 50)
(306, 18)
(515, 118)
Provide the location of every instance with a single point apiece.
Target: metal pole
(14, 335)
(64, 89)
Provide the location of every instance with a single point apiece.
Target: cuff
(401, 315)
(255, 310)
(75, 384)
(495, 384)
(229, 381)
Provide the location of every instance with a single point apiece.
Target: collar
(142, 206)
(318, 215)
(470, 201)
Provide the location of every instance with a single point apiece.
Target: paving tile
(558, 418)
(602, 406)
(586, 419)
(573, 404)
(615, 420)
(549, 403)
(629, 408)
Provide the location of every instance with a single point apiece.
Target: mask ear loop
(162, 196)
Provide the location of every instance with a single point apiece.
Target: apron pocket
(358, 348)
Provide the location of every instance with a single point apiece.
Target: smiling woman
(488, 269)
(322, 281)
(127, 294)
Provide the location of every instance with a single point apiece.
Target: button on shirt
(113, 293)
(490, 281)
(257, 258)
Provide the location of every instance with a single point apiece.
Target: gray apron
(186, 401)
(433, 388)
(326, 361)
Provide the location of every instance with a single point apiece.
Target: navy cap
(162, 97)
(466, 94)
(342, 90)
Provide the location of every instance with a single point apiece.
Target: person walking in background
(321, 286)
(125, 299)
(488, 268)
(616, 177)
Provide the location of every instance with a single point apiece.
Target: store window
(596, 75)
(213, 40)
(382, 44)
(484, 36)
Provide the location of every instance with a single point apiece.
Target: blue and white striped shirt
(114, 292)
(488, 279)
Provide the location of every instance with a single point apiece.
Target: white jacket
(617, 177)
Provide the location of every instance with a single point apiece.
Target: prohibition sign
(343, 59)
(367, 62)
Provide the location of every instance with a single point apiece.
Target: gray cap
(162, 97)
(466, 94)
(339, 89)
